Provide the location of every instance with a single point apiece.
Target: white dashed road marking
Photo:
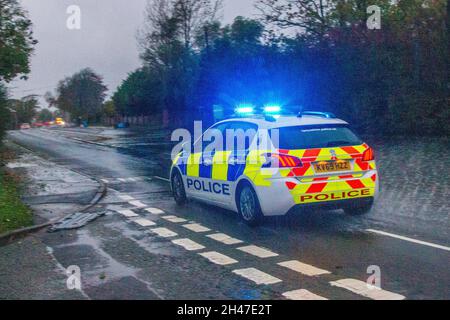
(257, 276)
(196, 227)
(154, 210)
(122, 180)
(161, 178)
(258, 251)
(392, 235)
(164, 232)
(128, 213)
(304, 268)
(174, 219)
(137, 204)
(361, 288)
(302, 294)
(144, 222)
(222, 237)
(105, 180)
(125, 197)
(218, 258)
(188, 244)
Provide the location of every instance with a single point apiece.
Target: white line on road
(122, 179)
(257, 276)
(196, 227)
(361, 288)
(258, 251)
(154, 210)
(224, 238)
(302, 294)
(303, 268)
(218, 258)
(174, 219)
(161, 178)
(137, 204)
(164, 232)
(188, 244)
(105, 180)
(125, 197)
(392, 235)
(144, 222)
(128, 213)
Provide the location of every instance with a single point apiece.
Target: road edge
(10, 236)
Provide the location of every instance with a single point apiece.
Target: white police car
(268, 165)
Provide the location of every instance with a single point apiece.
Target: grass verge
(13, 213)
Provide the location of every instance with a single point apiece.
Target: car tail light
(278, 160)
(368, 155)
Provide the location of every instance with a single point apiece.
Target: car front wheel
(179, 194)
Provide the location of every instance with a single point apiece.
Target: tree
(16, 41)
(109, 109)
(139, 94)
(82, 94)
(4, 111)
(310, 17)
(44, 115)
(26, 108)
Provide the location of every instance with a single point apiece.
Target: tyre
(179, 194)
(359, 208)
(248, 205)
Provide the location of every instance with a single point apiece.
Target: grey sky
(106, 41)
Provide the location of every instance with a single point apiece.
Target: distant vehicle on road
(60, 122)
(25, 126)
(37, 124)
(315, 161)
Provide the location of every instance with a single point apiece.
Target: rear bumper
(285, 194)
(332, 205)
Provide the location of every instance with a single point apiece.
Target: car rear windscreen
(307, 137)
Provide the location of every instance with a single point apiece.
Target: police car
(310, 159)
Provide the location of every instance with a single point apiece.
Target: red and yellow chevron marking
(325, 189)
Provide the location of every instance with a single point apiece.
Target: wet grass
(13, 213)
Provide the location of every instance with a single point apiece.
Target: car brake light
(368, 155)
(281, 161)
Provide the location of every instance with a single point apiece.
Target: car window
(240, 135)
(215, 132)
(323, 136)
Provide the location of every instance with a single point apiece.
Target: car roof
(287, 121)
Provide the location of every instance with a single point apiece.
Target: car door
(201, 169)
(239, 146)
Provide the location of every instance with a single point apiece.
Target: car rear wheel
(248, 206)
(179, 194)
(359, 208)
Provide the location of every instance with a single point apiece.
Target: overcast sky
(106, 41)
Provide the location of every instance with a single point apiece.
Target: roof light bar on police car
(328, 115)
(272, 108)
(245, 109)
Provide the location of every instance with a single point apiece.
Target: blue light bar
(244, 108)
(272, 108)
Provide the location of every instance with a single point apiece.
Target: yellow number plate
(331, 166)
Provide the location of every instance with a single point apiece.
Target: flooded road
(146, 247)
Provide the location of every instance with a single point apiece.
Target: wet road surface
(148, 248)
